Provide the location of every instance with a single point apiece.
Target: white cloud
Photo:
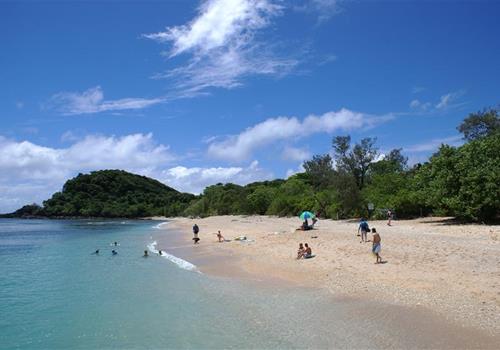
(195, 179)
(32, 173)
(295, 154)
(26, 166)
(92, 101)
(240, 147)
(291, 172)
(324, 9)
(433, 145)
(445, 103)
(222, 45)
(446, 100)
(417, 104)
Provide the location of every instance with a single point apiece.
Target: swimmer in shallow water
(96, 252)
(160, 253)
(114, 252)
(145, 254)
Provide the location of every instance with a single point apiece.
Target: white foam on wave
(183, 264)
(158, 226)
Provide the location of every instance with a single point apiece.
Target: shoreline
(449, 270)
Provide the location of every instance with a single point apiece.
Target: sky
(194, 93)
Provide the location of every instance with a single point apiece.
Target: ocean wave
(158, 226)
(183, 264)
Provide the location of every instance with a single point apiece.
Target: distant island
(463, 182)
(110, 194)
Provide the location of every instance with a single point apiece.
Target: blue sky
(198, 92)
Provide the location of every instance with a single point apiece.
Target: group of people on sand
(196, 231)
(363, 230)
(304, 251)
(305, 225)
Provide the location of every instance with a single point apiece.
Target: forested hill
(461, 181)
(111, 193)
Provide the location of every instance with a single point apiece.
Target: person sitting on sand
(376, 245)
(145, 254)
(308, 251)
(301, 251)
(220, 236)
(364, 228)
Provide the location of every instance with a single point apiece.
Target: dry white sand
(453, 270)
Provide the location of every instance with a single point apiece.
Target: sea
(56, 294)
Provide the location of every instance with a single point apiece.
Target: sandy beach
(450, 270)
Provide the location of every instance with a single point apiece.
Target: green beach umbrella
(306, 215)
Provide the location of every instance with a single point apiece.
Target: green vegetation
(111, 193)
(463, 182)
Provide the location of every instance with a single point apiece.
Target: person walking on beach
(389, 217)
(364, 229)
(376, 247)
(196, 229)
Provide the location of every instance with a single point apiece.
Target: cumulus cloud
(195, 179)
(92, 101)
(222, 46)
(26, 166)
(31, 173)
(295, 154)
(240, 147)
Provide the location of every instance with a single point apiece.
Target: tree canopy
(463, 182)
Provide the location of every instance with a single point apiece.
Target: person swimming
(114, 252)
(96, 252)
(115, 244)
(160, 253)
(145, 254)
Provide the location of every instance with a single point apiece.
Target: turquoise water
(55, 294)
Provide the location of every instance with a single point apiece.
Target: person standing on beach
(364, 229)
(376, 247)
(196, 229)
(389, 217)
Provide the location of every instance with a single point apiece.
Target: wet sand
(440, 285)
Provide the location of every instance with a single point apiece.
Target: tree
(480, 124)
(355, 161)
(319, 171)
(393, 162)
